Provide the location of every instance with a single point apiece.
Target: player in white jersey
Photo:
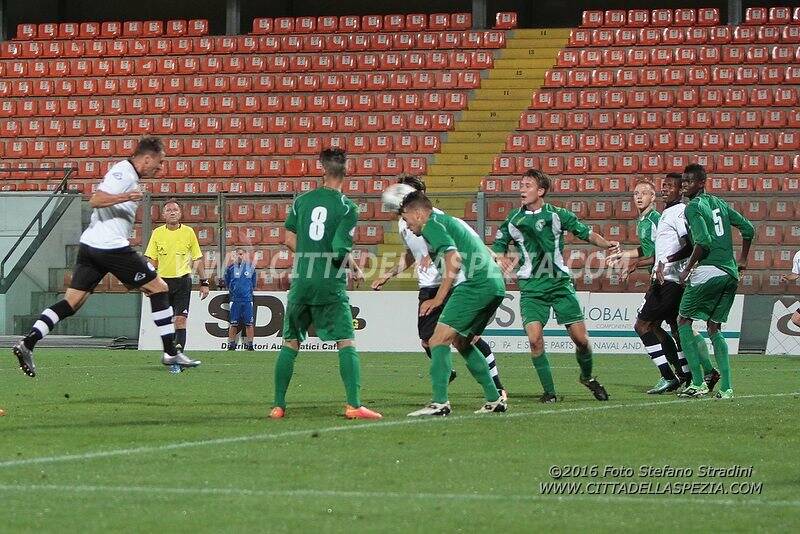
(104, 248)
(663, 297)
(792, 277)
(430, 278)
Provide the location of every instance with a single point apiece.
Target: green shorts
(537, 298)
(332, 322)
(711, 300)
(468, 310)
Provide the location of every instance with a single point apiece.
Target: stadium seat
(781, 210)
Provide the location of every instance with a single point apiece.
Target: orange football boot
(362, 412)
(277, 413)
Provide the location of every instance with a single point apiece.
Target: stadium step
(516, 72)
(459, 155)
(468, 148)
(486, 104)
(477, 137)
(522, 83)
(538, 34)
(490, 115)
(476, 126)
(502, 94)
(537, 57)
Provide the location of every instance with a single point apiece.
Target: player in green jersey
(545, 281)
(319, 230)
(712, 275)
(467, 311)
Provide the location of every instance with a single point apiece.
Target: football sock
(350, 371)
(441, 365)
(248, 343)
(542, 366)
(691, 350)
(657, 354)
(584, 358)
(479, 369)
(47, 321)
(684, 365)
(702, 349)
(486, 350)
(723, 360)
(427, 352)
(232, 343)
(162, 316)
(180, 337)
(671, 352)
(284, 367)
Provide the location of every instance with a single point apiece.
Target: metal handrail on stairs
(59, 192)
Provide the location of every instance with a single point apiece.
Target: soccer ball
(393, 196)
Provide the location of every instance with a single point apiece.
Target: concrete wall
(16, 211)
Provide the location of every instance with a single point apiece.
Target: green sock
(479, 369)
(585, 362)
(441, 365)
(723, 360)
(542, 365)
(691, 351)
(702, 351)
(284, 367)
(350, 371)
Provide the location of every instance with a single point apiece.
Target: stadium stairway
(493, 110)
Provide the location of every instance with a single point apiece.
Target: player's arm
(101, 199)
(499, 248)
(571, 224)
(701, 237)
(342, 243)
(747, 230)
(406, 260)
(151, 252)
(444, 247)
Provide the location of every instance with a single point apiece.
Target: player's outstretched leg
(453, 373)
(441, 365)
(350, 371)
(23, 350)
(583, 354)
(479, 370)
(284, 368)
(491, 361)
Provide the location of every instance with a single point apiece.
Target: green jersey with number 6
(710, 219)
(324, 221)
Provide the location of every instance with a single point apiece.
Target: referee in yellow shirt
(174, 250)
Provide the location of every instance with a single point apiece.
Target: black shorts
(130, 267)
(427, 324)
(180, 290)
(661, 302)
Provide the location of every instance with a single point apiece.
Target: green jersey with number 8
(710, 219)
(324, 221)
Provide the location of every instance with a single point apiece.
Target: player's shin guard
(479, 369)
(350, 371)
(657, 354)
(584, 358)
(542, 366)
(723, 360)
(486, 350)
(180, 337)
(441, 365)
(162, 316)
(691, 351)
(702, 351)
(47, 321)
(284, 367)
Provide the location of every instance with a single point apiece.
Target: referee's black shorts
(661, 302)
(180, 291)
(427, 323)
(130, 267)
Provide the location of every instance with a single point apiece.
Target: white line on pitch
(157, 492)
(306, 432)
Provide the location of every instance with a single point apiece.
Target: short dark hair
(694, 172)
(542, 180)
(334, 161)
(149, 145)
(675, 176)
(415, 200)
(414, 181)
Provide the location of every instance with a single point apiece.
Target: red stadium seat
(781, 210)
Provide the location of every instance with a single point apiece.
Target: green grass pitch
(107, 441)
